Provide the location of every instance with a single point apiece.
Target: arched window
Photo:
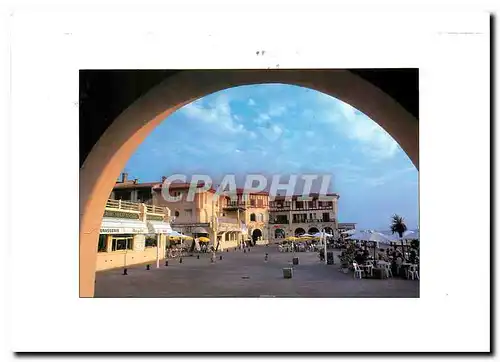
(252, 217)
(261, 217)
(176, 213)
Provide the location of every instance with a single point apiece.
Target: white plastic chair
(358, 271)
(387, 269)
(413, 272)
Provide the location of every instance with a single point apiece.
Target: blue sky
(285, 129)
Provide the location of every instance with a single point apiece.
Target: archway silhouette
(313, 230)
(115, 146)
(256, 234)
(299, 231)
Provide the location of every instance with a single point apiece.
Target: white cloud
(374, 141)
(217, 113)
(271, 133)
(387, 177)
(277, 110)
(310, 134)
(251, 102)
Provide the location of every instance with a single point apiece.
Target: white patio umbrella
(349, 232)
(322, 234)
(372, 236)
(179, 235)
(411, 235)
(360, 235)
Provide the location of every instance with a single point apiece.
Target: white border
(48, 49)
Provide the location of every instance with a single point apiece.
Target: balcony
(123, 205)
(133, 210)
(304, 208)
(278, 221)
(306, 221)
(234, 205)
(227, 220)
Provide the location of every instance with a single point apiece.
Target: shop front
(121, 243)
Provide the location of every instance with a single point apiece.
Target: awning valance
(159, 227)
(111, 225)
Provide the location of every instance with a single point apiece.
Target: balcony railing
(305, 208)
(278, 221)
(151, 209)
(305, 221)
(123, 205)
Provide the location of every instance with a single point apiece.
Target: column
(109, 243)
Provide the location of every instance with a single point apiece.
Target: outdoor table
(378, 273)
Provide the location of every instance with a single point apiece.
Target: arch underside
(115, 146)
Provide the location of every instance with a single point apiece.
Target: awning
(200, 230)
(159, 227)
(111, 225)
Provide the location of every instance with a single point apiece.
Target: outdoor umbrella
(373, 236)
(411, 235)
(203, 239)
(349, 232)
(321, 234)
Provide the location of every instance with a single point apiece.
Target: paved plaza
(241, 274)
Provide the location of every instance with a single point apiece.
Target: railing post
(120, 203)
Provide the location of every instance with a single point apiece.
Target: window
(102, 247)
(282, 219)
(122, 195)
(261, 217)
(310, 204)
(252, 202)
(260, 203)
(326, 216)
(144, 196)
(151, 241)
(122, 242)
(177, 213)
(299, 204)
(189, 212)
(252, 217)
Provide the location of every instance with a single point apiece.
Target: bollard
(147, 267)
(235, 249)
(266, 257)
(212, 259)
(244, 250)
(125, 271)
(287, 273)
(166, 262)
(180, 260)
(197, 256)
(220, 257)
(295, 261)
(227, 250)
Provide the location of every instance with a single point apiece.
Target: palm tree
(398, 226)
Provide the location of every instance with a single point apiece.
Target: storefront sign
(110, 231)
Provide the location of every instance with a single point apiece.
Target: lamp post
(323, 237)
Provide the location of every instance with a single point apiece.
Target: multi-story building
(131, 233)
(228, 221)
(290, 216)
(225, 221)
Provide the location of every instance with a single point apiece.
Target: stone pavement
(247, 275)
